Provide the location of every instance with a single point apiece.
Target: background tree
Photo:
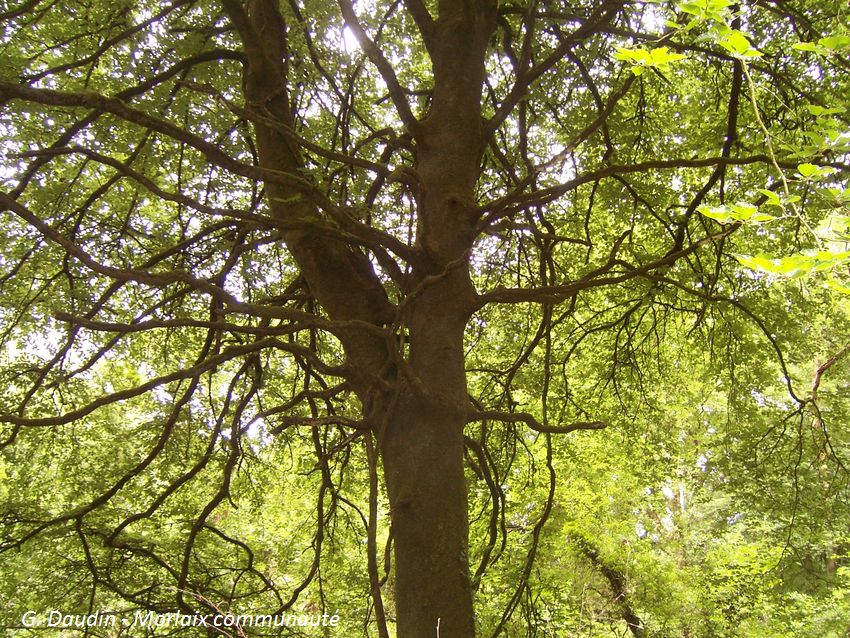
(302, 303)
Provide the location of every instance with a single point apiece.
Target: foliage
(655, 231)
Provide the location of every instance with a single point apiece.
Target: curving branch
(119, 108)
(532, 422)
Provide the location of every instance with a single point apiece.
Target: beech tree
(380, 253)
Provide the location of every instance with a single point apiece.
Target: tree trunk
(422, 453)
(420, 412)
(423, 466)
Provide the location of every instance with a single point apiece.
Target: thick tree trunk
(423, 465)
(422, 452)
(420, 412)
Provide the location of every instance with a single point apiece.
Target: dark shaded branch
(826, 365)
(109, 43)
(179, 276)
(20, 10)
(372, 538)
(525, 78)
(496, 511)
(524, 584)
(424, 21)
(117, 107)
(376, 56)
(510, 204)
(122, 395)
(315, 422)
(532, 422)
(559, 293)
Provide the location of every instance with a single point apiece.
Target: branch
(108, 44)
(768, 334)
(532, 422)
(510, 204)
(123, 395)
(377, 58)
(824, 367)
(19, 11)
(316, 422)
(134, 91)
(179, 276)
(423, 20)
(604, 14)
(559, 293)
(125, 169)
(349, 229)
(169, 324)
(98, 102)
(616, 579)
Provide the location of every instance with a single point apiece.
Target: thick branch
(604, 13)
(532, 422)
(510, 204)
(159, 279)
(559, 293)
(94, 100)
(424, 21)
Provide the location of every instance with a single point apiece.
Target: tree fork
(420, 421)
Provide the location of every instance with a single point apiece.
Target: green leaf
(757, 262)
(641, 59)
(797, 265)
(807, 170)
(692, 8)
(738, 45)
(835, 43)
(662, 56)
(739, 212)
(773, 199)
(811, 171)
(807, 46)
(818, 111)
(838, 286)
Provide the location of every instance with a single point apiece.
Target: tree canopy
(444, 318)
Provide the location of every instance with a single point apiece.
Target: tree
(406, 238)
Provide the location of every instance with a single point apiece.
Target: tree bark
(422, 445)
(419, 410)
(422, 453)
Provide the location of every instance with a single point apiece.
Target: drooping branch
(347, 227)
(20, 10)
(209, 363)
(117, 107)
(822, 369)
(159, 279)
(127, 94)
(109, 43)
(510, 204)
